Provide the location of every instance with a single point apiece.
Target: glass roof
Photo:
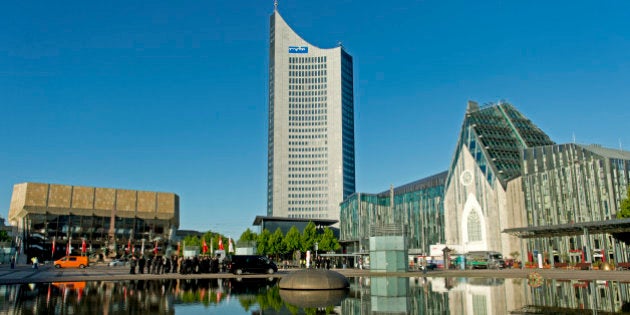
(501, 132)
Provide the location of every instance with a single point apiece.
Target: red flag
(83, 246)
(68, 248)
(204, 248)
(155, 250)
(53, 247)
(48, 295)
(129, 245)
(221, 243)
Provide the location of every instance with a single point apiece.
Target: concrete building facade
(103, 217)
(311, 166)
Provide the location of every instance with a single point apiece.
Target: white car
(117, 262)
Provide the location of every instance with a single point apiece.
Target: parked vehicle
(430, 266)
(72, 262)
(240, 264)
(484, 260)
(117, 262)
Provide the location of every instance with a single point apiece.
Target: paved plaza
(101, 272)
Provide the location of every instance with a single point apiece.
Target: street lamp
(316, 247)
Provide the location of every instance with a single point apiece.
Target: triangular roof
(498, 132)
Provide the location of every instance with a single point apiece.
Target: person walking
(35, 263)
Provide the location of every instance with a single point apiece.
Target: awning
(590, 227)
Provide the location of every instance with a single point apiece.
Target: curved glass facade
(416, 205)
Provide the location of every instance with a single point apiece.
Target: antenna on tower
(275, 5)
(574, 138)
(620, 146)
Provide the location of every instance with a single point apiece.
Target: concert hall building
(103, 217)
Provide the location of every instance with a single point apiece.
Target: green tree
(292, 241)
(4, 236)
(248, 236)
(275, 245)
(191, 240)
(328, 242)
(624, 208)
(262, 242)
(309, 237)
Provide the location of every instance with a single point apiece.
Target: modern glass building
(417, 205)
(103, 217)
(509, 189)
(483, 193)
(571, 184)
(311, 166)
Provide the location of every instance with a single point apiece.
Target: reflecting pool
(367, 295)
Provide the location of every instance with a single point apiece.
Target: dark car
(240, 264)
(430, 266)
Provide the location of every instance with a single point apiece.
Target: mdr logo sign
(298, 49)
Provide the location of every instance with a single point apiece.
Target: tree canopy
(262, 242)
(275, 244)
(248, 236)
(624, 208)
(292, 240)
(293, 243)
(328, 242)
(309, 237)
(4, 236)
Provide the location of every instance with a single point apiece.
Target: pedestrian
(132, 265)
(35, 263)
(12, 262)
(149, 264)
(141, 263)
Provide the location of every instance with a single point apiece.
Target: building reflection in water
(125, 297)
(379, 295)
(376, 295)
(563, 296)
(481, 295)
(394, 295)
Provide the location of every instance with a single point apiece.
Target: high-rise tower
(311, 167)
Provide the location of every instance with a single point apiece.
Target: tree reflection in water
(145, 296)
(262, 295)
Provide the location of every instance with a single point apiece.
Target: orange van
(72, 262)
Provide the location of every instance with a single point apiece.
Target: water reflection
(313, 298)
(376, 295)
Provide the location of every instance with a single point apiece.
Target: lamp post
(316, 247)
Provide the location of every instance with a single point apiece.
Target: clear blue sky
(172, 95)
